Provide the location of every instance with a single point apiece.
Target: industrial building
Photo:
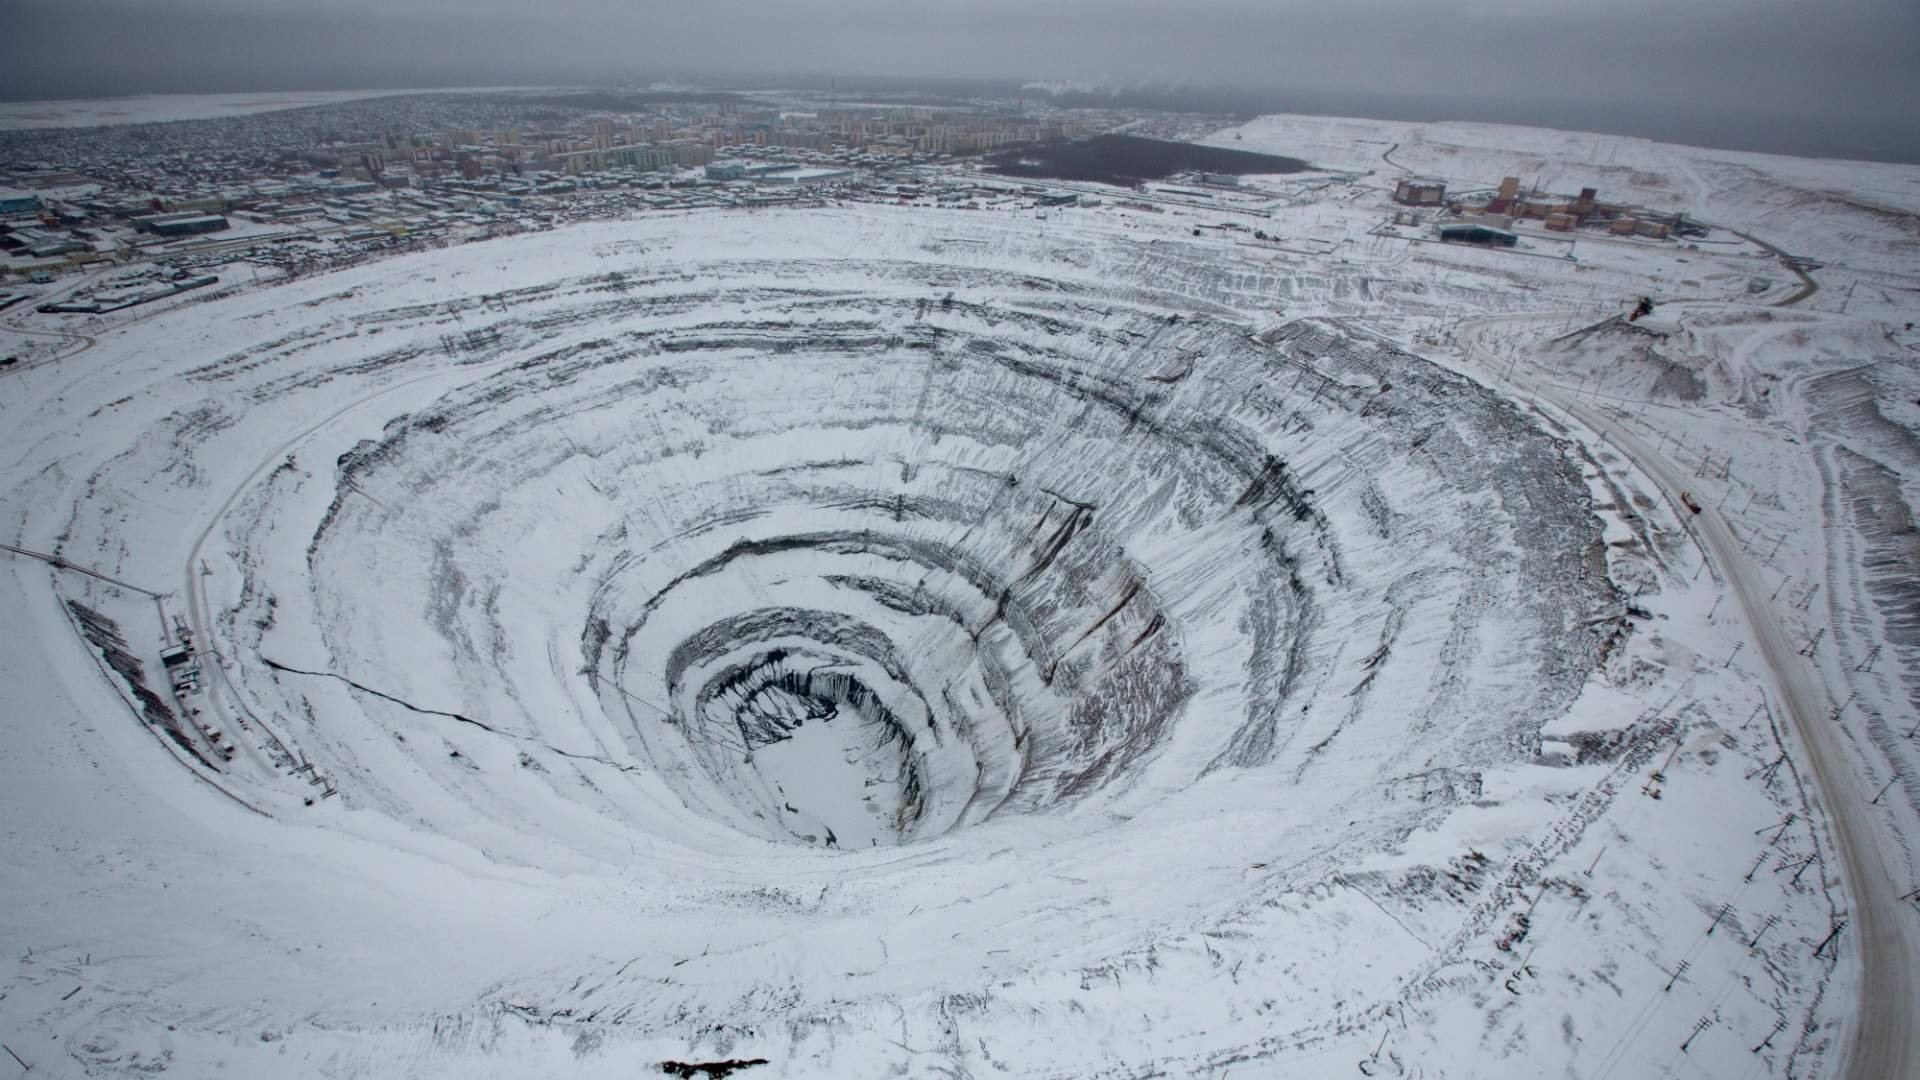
(15, 201)
(1420, 192)
(1539, 208)
(181, 224)
(1504, 199)
(804, 176)
(1467, 232)
(1655, 229)
(1561, 214)
(1491, 221)
(40, 244)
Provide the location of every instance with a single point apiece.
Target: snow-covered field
(897, 641)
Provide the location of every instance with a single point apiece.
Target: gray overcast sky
(1856, 59)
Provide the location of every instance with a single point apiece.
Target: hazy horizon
(1742, 74)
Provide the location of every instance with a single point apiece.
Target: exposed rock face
(1039, 550)
(834, 627)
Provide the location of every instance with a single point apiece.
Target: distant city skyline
(1760, 75)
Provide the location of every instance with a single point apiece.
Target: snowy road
(1884, 1042)
(60, 337)
(1808, 286)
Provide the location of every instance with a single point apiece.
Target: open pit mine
(876, 641)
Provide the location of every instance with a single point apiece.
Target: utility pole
(1828, 940)
(1813, 644)
(1784, 824)
(357, 488)
(1867, 664)
(1769, 769)
(1721, 914)
(1778, 1027)
(1884, 790)
(1755, 867)
(1737, 646)
(1661, 772)
(1677, 972)
(1764, 927)
(1699, 1026)
(1804, 863)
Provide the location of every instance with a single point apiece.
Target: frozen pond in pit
(835, 782)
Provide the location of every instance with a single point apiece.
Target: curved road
(1808, 286)
(12, 325)
(81, 340)
(1884, 1040)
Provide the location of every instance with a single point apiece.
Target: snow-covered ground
(898, 641)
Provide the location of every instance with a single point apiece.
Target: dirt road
(1883, 1042)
